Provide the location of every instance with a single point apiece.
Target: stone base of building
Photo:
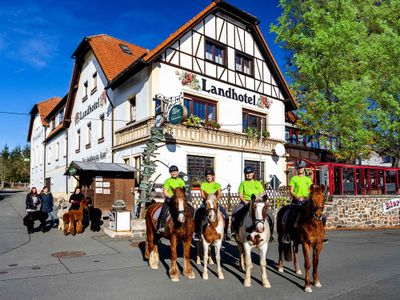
(117, 234)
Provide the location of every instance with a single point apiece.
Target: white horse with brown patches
(212, 232)
(254, 233)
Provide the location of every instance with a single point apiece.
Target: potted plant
(119, 205)
(194, 121)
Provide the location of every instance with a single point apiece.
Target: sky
(37, 39)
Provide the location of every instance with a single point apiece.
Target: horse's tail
(287, 251)
(286, 248)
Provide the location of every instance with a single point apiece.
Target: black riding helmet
(301, 164)
(173, 168)
(209, 171)
(248, 169)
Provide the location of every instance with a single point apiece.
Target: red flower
(189, 77)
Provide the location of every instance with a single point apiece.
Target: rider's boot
(161, 220)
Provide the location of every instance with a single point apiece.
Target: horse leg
(152, 250)
(249, 265)
(187, 269)
(296, 259)
(263, 266)
(280, 251)
(241, 255)
(316, 251)
(210, 260)
(205, 258)
(307, 266)
(199, 246)
(173, 271)
(218, 245)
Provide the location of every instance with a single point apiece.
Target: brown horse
(309, 233)
(179, 227)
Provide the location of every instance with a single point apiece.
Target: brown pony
(179, 227)
(309, 233)
(73, 219)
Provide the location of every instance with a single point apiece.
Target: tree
(4, 164)
(345, 71)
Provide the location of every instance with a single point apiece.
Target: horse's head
(211, 203)
(258, 209)
(317, 196)
(179, 205)
(83, 204)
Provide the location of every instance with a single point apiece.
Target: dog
(95, 215)
(31, 217)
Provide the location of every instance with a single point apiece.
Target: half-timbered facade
(220, 66)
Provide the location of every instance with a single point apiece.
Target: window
(137, 165)
(132, 109)
(253, 120)
(125, 49)
(57, 151)
(94, 89)
(126, 161)
(88, 135)
(52, 124)
(49, 156)
(196, 166)
(78, 141)
(215, 52)
(204, 109)
(101, 129)
(256, 166)
(61, 116)
(85, 91)
(244, 64)
(65, 146)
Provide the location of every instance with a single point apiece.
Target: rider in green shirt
(209, 187)
(247, 188)
(171, 183)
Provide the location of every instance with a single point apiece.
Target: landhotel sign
(390, 205)
(190, 80)
(101, 101)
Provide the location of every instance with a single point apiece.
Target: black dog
(31, 217)
(95, 215)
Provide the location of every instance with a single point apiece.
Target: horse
(178, 227)
(254, 233)
(31, 217)
(309, 233)
(212, 232)
(73, 219)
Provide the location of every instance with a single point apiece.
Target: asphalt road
(354, 265)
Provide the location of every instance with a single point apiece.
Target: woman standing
(46, 198)
(76, 199)
(32, 200)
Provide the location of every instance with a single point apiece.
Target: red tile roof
(112, 59)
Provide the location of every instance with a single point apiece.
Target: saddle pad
(285, 217)
(157, 213)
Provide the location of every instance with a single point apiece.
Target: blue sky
(37, 39)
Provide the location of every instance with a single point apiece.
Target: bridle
(315, 209)
(257, 221)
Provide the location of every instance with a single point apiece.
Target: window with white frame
(65, 146)
(215, 52)
(94, 83)
(132, 109)
(244, 63)
(57, 151)
(101, 129)
(61, 116)
(49, 156)
(88, 134)
(85, 90)
(78, 140)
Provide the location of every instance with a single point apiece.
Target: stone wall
(360, 212)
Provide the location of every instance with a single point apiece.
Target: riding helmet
(209, 171)
(300, 164)
(248, 169)
(173, 168)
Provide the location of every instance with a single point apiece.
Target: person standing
(171, 183)
(46, 197)
(32, 200)
(76, 198)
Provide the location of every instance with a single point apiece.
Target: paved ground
(354, 265)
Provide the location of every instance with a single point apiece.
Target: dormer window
(85, 91)
(125, 49)
(94, 89)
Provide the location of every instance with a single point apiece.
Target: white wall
(37, 153)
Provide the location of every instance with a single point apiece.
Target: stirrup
(286, 239)
(161, 230)
(196, 237)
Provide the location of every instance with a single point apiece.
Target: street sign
(275, 182)
(177, 114)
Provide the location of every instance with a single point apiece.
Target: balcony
(196, 136)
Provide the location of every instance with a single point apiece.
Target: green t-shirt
(210, 187)
(173, 183)
(250, 187)
(301, 185)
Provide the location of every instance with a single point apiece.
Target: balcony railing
(196, 136)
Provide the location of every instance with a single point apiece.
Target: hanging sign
(177, 114)
(72, 171)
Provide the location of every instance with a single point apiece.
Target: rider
(247, 188)
(171, 183)
(209, 187)
(300, 192)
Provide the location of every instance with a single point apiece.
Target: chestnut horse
(254, 233)
(309, 233)
(178, 227)
(212, 232)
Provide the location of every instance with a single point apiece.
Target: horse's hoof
(190, 275)
(198, 261)
(317, 284)
(210, 261)
(308, 289)
(266, 284)
(154, 267)
(298, 272)
(174, 279)
(280, 270)
(205, 276)
(221, 276)
(247, 283)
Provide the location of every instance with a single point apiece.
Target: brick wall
(360, 212)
